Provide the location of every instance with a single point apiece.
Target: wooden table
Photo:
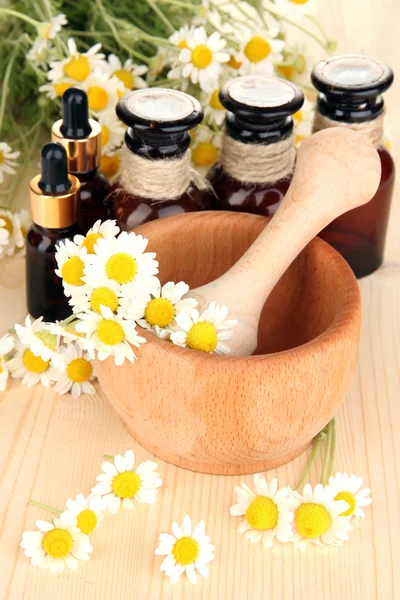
(51, 448)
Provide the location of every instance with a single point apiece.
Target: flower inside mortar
(185, 551)
(88, 512)
(348, 488)
(120, 485)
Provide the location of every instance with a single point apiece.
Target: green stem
(6, 79)
(311, 460)
(108, 457)
(45, 507)
(333, 449)
(18, 15)
(328, 431)
(319, 26)
(68, 320)
(163, 18)
(280, 17)
(185, 5)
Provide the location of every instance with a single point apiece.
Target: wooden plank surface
(51, 448)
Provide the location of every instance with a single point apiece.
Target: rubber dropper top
(54, 169)
(75, 125)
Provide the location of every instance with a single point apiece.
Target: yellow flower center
(312, 520)
(72, 271)
(57, 543)
(299, 139)
(8, 226)
(60, 88)
(103, 297)
(79, 370)
(202, 336)
(87, 521)
(298, 116)
(97, 98)
(299, 1)
(351, 501)
(110, 165)
(126, 77)
(182, 44)
(126, 485)
(233, 63)
(262, 513)
(257, 49)
(1, 367)
(185, 550)
(121, 267)
(204, 154)
(77, 68)
(201, 56)
(287, 71)
(90, 242)
(105, 135)
(214, 101)
(159, 311)
(1, 157)
(110, 333)
(34, 364)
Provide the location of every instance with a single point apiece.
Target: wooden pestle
(336, 170)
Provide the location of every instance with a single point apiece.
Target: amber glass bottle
(54, 197)
(81, 137)
(257, 153)
(350, 96)
(156, 177)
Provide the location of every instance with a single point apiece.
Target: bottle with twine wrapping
(156, 176)
(257, 150)
(350, 89)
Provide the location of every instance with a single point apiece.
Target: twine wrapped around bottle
(258, 163)
(162, 179)
(373, 130)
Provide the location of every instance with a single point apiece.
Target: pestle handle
(336, 170)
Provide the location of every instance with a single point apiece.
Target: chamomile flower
(56, 89)
(179, 37)
(77, 66)
(214, 112)
(36, 335)
(48, 31)
(129, 73)
(205, 149)
(67, 331)
(267, 513)
(303, 122)
(88, 512)
(6, 345)
(78, 373)
(120, 485)
(112, 131)
(102, 91)
(4, 236)
(110, 335)
(100, 230)
(294, 8)
(206, 332)
(7, 160)
(161, 307)
(91, 299)
(348, 488)
(41, 54)
(30, 368)
(71, 260)
(56, 545)
(260, 51)
(185, 551)
(318, 518)
(124, 261)
(12, 225)
(24, 223)
(110, 164)
(201, 61)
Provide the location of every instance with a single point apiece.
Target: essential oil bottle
(350, 96)
(156, 177)
(257, 150)
(54, 197)
(81, 137)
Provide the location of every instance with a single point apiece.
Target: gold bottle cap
(54, 211)
(83, 154)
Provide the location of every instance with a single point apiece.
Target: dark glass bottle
(81, 137)
(259, 117)
(54, 197)
(156, 153)
(350, 96)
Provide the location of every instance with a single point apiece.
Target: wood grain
(51, 448)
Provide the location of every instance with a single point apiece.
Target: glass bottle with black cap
(350, 96)
(156, 178)
(259, 135)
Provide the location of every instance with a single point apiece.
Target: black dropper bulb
(75, 123)
(54, 169)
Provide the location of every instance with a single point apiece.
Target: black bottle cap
(75, 123)
(351, 87)
(260, 108)
(54, 170)
(158, 121)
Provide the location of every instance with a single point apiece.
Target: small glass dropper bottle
(81, 137)
(54, 196)
(156, 178)
(257, 150)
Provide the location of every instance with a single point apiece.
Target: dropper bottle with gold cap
(54, 197)
(81, 137)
